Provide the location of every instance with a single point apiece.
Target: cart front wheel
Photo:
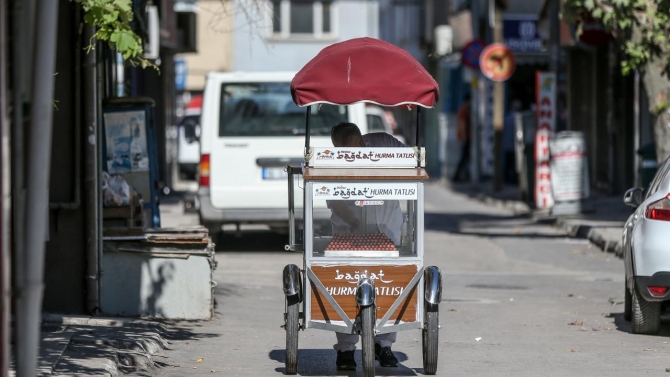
(292, 328)
(368, 319)
(430, 339)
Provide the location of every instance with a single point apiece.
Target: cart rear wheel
(430, 335)
(368, 319)
(292, 328)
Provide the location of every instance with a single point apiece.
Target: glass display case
(367, 228)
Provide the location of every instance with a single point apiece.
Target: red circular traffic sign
(497, 62)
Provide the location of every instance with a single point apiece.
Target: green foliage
(112, 18)
(660, 107)
(641, 26)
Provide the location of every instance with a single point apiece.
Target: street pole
(5, 198)
(498, 104)
(636, 128)
(37, 184)
(474, 104)
(555, 58)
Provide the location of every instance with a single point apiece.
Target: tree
(642, 30)
(112, 21)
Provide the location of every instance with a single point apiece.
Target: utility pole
(555, 52)
(474, 101)
(5, 199)
(495, 15)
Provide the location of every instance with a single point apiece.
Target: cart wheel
(292, 328)
(430, 336)
(368, 319)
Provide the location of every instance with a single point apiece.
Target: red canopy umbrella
(364, 70)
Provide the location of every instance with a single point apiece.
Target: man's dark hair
(467, 97)
(345, 132)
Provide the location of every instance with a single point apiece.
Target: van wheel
(215, 231)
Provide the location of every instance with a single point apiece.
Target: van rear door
(260, 131)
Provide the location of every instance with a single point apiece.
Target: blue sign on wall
(520, 33)
(180, 74)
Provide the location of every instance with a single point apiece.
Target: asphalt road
(519, 299)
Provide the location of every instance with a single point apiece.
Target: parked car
(250, 131)
(188, 155)
(378, 122)
(646, 253)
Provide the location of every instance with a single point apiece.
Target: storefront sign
(569, 175)
(340, 282)
(180, 72)
(366, 191)
(546, 108)
(520, 33)
(365, 157)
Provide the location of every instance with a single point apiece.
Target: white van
(250, 131)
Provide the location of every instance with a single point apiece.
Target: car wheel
(628, 303)
(646, 316)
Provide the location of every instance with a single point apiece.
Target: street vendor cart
(371, 279)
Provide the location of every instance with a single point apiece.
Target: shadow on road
(250, 241)
(625, 326)
(321, 362)
(482, 225)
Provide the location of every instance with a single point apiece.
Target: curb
(572, 229)
(112, 322)
(516, 206)
(593, 234)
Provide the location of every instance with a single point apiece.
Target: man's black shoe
(345, 360)
(385, 356)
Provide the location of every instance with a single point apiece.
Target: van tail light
(659, 210)
(204, 170)
(657, 291)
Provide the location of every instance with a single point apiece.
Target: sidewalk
(86, 346)
(602, 227)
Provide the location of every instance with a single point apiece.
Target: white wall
(255, 49)
(215, 28)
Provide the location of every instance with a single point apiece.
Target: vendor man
(347, 218)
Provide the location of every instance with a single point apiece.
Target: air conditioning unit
(153, 42)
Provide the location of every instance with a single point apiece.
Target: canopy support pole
(418, 135)
(307, 132)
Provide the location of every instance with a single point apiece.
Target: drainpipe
(37, 174)
(21, 60)
(5, 204)
(76, 201)
(91, 173)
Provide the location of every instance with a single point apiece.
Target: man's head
(346, 135)
(467, 97)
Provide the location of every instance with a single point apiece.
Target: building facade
(283, 35)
